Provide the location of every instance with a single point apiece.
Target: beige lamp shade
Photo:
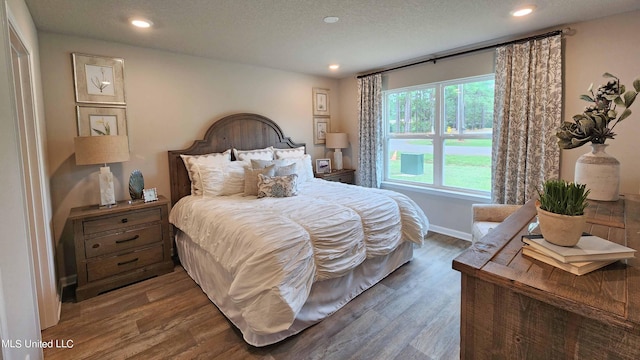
(101, 149)
(337, 141)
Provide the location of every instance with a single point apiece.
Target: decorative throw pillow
(261, 154)
(261, 164)
(289, 153)
(277, 186)
(194, 164)
(233, 178)
(286, 169)
(251, 178)
(283, 166)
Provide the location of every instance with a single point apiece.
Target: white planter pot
(562, 230)
(600, 172)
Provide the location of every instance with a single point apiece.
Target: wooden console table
(514, 307)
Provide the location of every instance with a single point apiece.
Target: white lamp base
(107, 194)
(337, 159)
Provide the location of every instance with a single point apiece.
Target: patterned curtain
(528, 105)
(371, 131)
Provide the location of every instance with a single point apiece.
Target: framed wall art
(321, 126)
(98, 79)
(98, 121)
(321, 102)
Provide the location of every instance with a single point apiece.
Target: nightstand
(346, 176)
(120, 245)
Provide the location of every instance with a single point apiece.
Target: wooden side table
(514, 307)
(120, 245)
(346, 176)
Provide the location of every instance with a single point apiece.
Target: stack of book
(591, 253)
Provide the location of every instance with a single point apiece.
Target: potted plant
(597, 169)
(561, 211)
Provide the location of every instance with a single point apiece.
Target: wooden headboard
(240, 131)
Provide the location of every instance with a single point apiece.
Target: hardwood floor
(414, 313)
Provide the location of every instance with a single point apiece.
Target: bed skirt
(326, 296)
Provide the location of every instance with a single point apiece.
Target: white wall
(171, 100)
(604, 45)
(610, 44)
(18, 307)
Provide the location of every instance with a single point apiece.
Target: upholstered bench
(488, 216)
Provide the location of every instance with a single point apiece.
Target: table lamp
(337, 141)
(91, 150)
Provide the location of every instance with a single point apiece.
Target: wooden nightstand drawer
(114, 243)
(114, 265)
(131, 218)
(120, 245)
(346, 176)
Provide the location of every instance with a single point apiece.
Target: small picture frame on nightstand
(150, 194)
(323, 166)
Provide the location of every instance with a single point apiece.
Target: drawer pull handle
(127, 240)
(125, 220)
(128, 262)
(95, 246)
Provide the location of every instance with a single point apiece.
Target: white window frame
(438, 138)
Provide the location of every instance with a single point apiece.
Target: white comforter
(275, 248)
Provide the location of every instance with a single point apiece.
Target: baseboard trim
(450, 232)
(68, 280)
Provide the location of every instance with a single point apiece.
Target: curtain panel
(528, 110)
(371, 131)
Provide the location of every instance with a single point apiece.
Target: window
(439, 135)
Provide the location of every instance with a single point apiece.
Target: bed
(274, 264)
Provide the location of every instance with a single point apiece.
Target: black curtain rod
(535, 37)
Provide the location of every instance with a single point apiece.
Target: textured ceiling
(290, 34)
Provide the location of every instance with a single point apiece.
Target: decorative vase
(600, 172)
(562, 230)
(136, 184)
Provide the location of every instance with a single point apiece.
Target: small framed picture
(98, 121)
(321, 126)
(321, 102)
(323, 166)
(98, 79)
(150, 194)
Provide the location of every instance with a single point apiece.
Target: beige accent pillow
(286, 170)
(261, 164)
(251, 178)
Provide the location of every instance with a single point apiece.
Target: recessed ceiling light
(523, 11)
(141, 23)
(331, 19)
(334, 66)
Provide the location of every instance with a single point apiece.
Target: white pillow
(304, 169)
(194, 164)
(258, 154)
(212, 180)
(233, 178)
(289, 153)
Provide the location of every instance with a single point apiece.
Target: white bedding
(275, 248)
